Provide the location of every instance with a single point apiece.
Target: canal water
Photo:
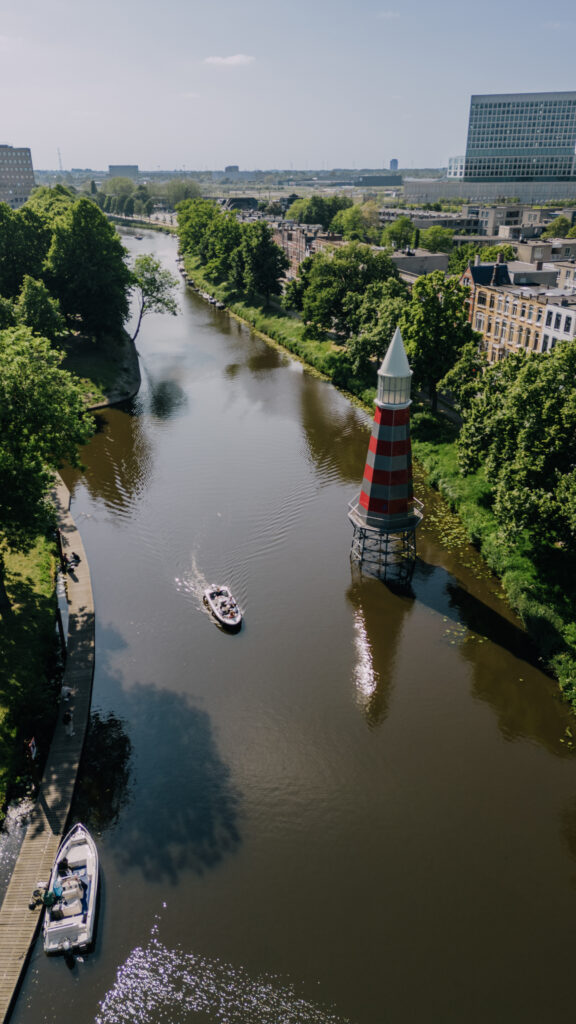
(360, 808)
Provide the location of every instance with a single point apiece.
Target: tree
(358, 223)
(437, 239)
(154, 288)
(35, 308)
(435, 329)
(399, 233)
(129, 207)
(24, 241)
(521, 426)
(317, 209)
(42, 422)
(86, 270)
(557, 228)
(258, 263)
(194, 217)
(334, 276)
(179, 189)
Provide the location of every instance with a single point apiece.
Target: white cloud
(238, 60)
(388, 15)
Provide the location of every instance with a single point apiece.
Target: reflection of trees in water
(117, 461)
(183, 808)
(568, 824)
(104, 776)
(379, 615)
(505, 670)
(336, 445)
(166, 398)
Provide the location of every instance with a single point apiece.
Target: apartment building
(511, 316)
(566, 275)
(16, 175)
(548, 250)
(301, 240)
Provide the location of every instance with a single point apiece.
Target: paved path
(18, 924)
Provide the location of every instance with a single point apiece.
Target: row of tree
(243, 254)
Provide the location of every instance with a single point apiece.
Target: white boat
(71, 896)
(223, 606)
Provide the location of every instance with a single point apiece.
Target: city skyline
(265, 85)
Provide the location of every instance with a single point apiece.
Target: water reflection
(102, 789)
(506, 671)
(379, 622)
(185, 815)
(166, 398)
(157, 983)
(335, 444)
(118, 461)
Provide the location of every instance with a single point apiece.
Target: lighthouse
(385, 514)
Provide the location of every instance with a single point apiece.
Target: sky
(302, 84)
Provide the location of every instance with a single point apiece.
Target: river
(362, 807)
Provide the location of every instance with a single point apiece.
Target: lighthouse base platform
(385, 546)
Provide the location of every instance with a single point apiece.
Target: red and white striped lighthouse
(386, 514)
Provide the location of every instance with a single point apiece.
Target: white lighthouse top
(395, 375)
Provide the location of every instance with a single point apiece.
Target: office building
(394, 164)
(123, 171)
(522, 137)
(16, 176)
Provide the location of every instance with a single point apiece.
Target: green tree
(333, 277)
(557, 228)
(258, 264)
(154, 289)
(521, 426)
(194, 217)
(435, 329)
(35, 308)
(177, 190)
(87, 272)
(42, 422)
(24, 241)
(358, 223)
(50, 203)
(317, 209)
(119, 186)
(437, 239)
(399, 233)
(129, 207)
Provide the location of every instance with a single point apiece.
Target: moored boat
(223, 606)
(70, 899)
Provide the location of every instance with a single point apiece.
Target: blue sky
(265, 83)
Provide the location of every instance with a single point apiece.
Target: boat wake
(194, 582)
(159, 984)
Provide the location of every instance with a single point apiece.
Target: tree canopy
(521, 425)
(154, 288)
(435, 329)
(317, 209)
(42, 422)
(86, 270)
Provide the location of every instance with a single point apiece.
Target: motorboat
(70, 898)
(223, 606)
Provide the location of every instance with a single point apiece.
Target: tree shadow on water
(164, 786)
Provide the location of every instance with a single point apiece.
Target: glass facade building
(522, 137)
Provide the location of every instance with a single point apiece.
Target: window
(567, 324)
(479, 322)
(557, 321)
(538, 315)
(523, 310)
(545, 340)
(492, 301)
(549, 318)
(519, 336)
(527, 341)
(481, 300)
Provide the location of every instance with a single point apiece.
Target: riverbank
(545, 609)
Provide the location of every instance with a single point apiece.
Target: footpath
(47, 824)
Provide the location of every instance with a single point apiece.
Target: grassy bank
(28, 667)
(543, 595)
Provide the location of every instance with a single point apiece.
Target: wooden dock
(19, 924)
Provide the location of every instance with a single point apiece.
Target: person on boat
(63, 867)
